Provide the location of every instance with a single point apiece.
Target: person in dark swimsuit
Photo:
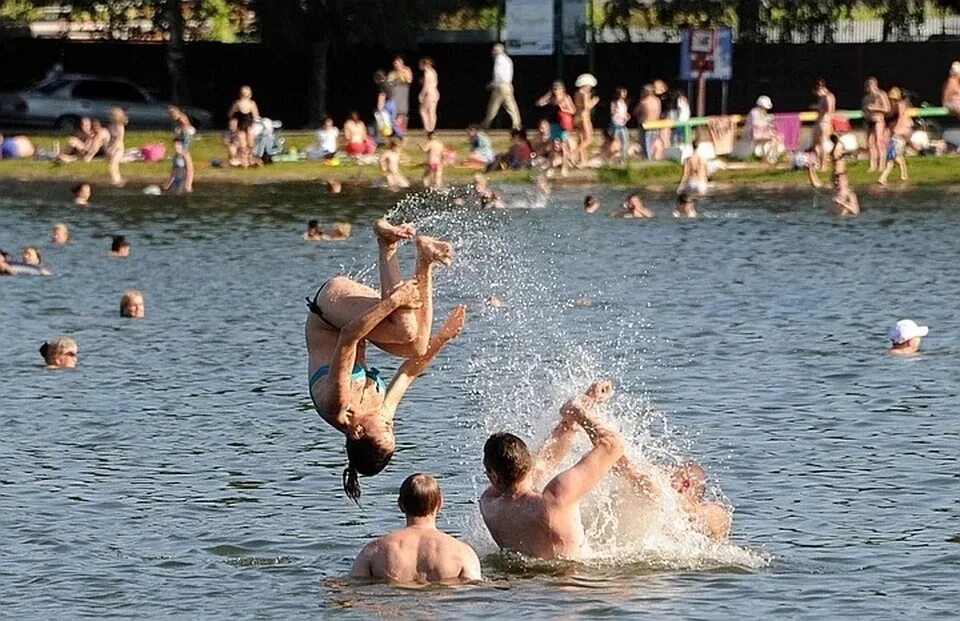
(344, 315)
(246, 113)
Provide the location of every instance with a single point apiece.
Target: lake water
(181, 471)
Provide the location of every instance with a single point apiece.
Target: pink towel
(788, 126)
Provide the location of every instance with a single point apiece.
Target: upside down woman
(344, 315)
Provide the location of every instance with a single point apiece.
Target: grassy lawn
(924, 171)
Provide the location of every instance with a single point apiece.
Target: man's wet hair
(508, 456)
(589, 200)
(119, 241)
(313, 224)
(419, 495)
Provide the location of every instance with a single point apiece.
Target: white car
(62, 100)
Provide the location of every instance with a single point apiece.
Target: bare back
(414, 555)
(534, 524)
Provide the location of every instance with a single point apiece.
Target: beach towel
(788, 126)
(723, 133)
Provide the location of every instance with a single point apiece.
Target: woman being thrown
(343, 316)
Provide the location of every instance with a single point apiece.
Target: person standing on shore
(900, 127)
(115, 148)
(876, 106)
(398, 83)
(585, 101)
(501, 89)
(648, 111)
(429, 95)
(826, 106)
(433, 173)
(951, 90)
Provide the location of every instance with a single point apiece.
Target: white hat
(764, 102)
(955, 67)
(585, 79)
(906, 329)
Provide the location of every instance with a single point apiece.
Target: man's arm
(554, 451)
(641, 483)
(471, 565)
(361, 566)
(572, 485)
(413, 367)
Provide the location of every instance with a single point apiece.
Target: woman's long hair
(367, 456)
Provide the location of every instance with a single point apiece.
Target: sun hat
(764, 102)
(906, 329)
(586, 79)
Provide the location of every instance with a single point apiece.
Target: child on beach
(179, 175)
(390, 165)
(433, 174)
(115, 148)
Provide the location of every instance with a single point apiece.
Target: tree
(315, 27)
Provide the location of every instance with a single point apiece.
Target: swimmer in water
(489, 198)
(590, 203)
(59, 353)
(334, 186)
(313, 232)
(711, 518)
(120, 247)
(632, 207)
(390, 165)
(905, 337)
(686, 207)
(845, 201)
(60, 235)
(344, 315)
(81, 194)
(547, 523)
(132, 305)
(695, 173)
(419, 553)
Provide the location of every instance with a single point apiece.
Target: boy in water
(845, 201)
(686, 207)
(390, 165)
(433, 175)
(632, 207)
(591, 204)
(547, 524)
(418, 553)
(81, 194)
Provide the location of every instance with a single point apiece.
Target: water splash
(525, 365)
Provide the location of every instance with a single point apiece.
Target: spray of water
(526, 364)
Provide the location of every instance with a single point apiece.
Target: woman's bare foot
(430, 250)
(392, 234)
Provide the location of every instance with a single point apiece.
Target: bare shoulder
(489, 494)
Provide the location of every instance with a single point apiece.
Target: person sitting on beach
(81, 194)
(60, 235)
(344, 315)
(16, 148)
(390, 165)
(60, 353)
(433, 170)
(120, 247)
(686, 207)
(542, 144)
(905, 337)
(876, 106)
(632, 207)
(78, 144)
(899, 130)
(845, 201)
(695, 172)
(358, 142)
(547, 524)
(231, 140)
(418, 553)
(950, 97)
(481, 148)
(178, 176)
(326, 146)
(133, 305)
(764, 140)
(590, 203)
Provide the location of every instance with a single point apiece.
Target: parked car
(61, 100)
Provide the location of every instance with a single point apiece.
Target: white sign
(575, 27)
(703, 42)
(529, 25)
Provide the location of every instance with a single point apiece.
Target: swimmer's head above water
(905, 336)
(507, 460)
(690, 480)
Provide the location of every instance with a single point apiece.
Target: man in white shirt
(501, 89)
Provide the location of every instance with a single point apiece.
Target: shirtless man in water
(547, 524)
(845, 201)
(876, 106)
(418, 553)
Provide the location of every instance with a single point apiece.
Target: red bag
(841, 124)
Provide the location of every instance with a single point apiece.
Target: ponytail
(351, 484)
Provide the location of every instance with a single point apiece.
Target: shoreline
(926, 172)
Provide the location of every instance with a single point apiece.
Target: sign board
(709, 49)
(575, 27)
(529, 25)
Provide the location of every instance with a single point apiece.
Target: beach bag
(841, 124)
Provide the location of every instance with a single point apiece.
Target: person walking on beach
(418, 553)
(875, 107)
(648, 111)
(547, 523)
(115, 148)
(619, 117)
(899, 128)
(429, 95)
(347, 393)
(501, 89)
